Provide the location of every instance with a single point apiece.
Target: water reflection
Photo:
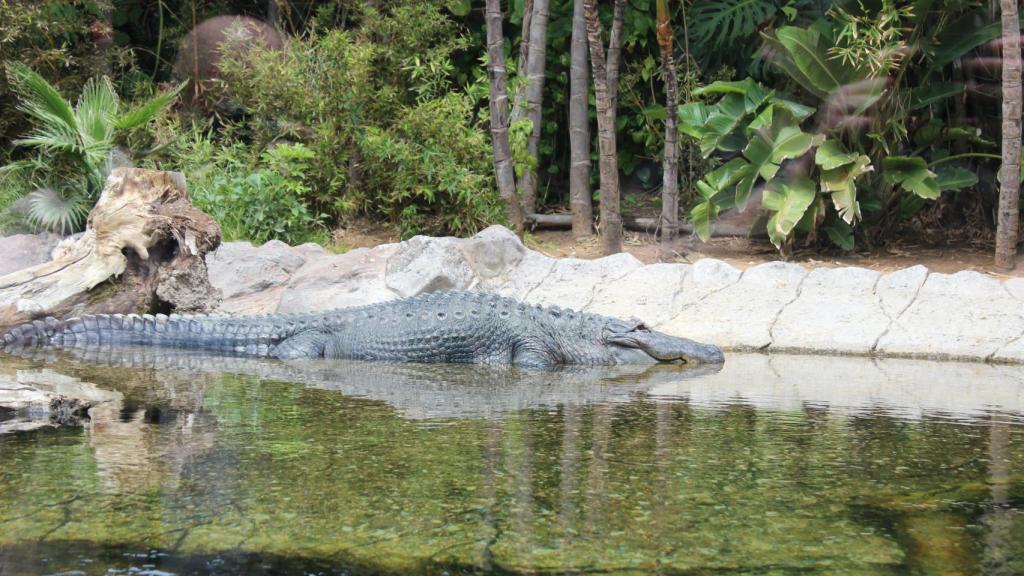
(772, 464)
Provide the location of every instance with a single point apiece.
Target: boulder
(837, 311)
(648, 293)
(962, 315)
(22, 251)
(252, 278)
(339, 281)
(572, 282)
(739, 315)
(424, 264)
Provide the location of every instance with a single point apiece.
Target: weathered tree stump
(143, 250)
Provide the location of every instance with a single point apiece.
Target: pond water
(774, 465)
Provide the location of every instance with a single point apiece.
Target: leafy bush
(765, 130)
(390, 133)
(257, 201)
(61, 40)
(74, 146)
(879, 142)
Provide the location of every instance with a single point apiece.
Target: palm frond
(143, 113)
(96, 107)
(51, 141)
(57, 212)
(39, 99)
(720, 23)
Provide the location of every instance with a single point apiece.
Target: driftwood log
(143, 251)
(636, 224)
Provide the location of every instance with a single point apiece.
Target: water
(772, 466)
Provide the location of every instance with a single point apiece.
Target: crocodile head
(632, 342)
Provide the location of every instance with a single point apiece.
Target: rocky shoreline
(775, 306)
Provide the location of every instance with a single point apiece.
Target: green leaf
(789, 201)
(460, 7)
(721, 130)
(692, 117)
(841, 234)
(799, 112)
(719, 23)
(143, 113)
(933, 92)
(97, 104)
(841, 183)
(831, 155)
(40, 99)
(703, 215)
(768, 148)
(727, 174)
(807, 49)
(953, 177)
(912, 173)
(936, 131)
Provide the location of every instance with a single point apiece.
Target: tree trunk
(615, 56)
(535, 67)
(530, 98)
(145, 233)
(670, 162)
(579, 128)
(504, 174)
(1009, 176)
(605, 95)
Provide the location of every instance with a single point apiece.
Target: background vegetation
(849, 123)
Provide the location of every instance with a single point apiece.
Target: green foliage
(722, 23)
(433, 168)
(74, 145)
(256, 200)
(392, 134)
(766, 131)
(54, 38)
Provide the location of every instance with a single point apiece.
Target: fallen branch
(646, 225)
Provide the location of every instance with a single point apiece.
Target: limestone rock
(648, 293)
(24, 250)
(738, 315)
(239, 268)
(423, 264)
(837, 312)
(572, 282)
(521, 280)
(338, 281)
(962, 315)
(898, 289)
(494, 252)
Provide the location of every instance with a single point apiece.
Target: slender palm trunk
(579, 128)
(1009, 177)
(670, 162)
(535, 97)
(504, 174)
(606, 94)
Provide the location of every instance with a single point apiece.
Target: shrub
(257, 201)
(74, 146)
(376, 105)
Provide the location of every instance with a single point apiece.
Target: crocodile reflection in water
(415, 390)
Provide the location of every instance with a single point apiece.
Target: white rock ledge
(774, 306)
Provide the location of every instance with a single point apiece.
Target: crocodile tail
(251, 336)
(35, 333)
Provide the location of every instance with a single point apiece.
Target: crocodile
(452, 327)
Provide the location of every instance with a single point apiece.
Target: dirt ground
(740, 252)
